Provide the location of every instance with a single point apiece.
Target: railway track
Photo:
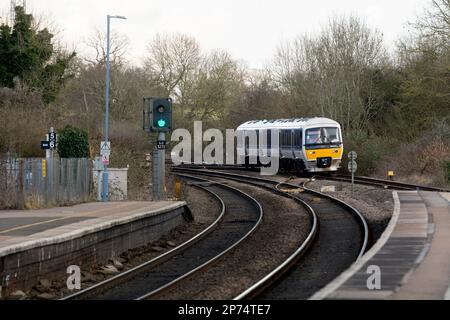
(240, 217)
(383, 183)
(340, 227)
(343, 230)
(387, 184)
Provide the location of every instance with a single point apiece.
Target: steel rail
(389, 184)
(265, 282)
(332, 176)
(341, 203)
(124, 276)
(153, 293)
(270, 278)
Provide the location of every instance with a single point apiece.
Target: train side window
(269, 139)
(297, 139)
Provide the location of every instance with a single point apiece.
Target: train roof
(286, 123)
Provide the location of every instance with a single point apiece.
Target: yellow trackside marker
(391, 175)
(178, 190)
(44, 168)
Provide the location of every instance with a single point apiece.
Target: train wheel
(299, 167)
(283, 165)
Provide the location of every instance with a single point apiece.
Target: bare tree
(292, 58)
(260, 98)
(329, 75)
(118, 47)
(218, 84)
(435, 22)
(171, 61)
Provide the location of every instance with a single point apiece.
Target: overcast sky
(249, 29)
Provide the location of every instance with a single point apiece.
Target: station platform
(411, 260)
(43, 243)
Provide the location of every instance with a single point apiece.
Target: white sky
(249, 29)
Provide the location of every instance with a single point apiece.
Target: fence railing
(35, 182)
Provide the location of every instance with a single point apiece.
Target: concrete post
(159, 174)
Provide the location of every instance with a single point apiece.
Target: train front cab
(322, 148)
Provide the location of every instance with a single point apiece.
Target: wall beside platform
(23, 265)
(117, 183)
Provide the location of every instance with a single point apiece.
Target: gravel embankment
(374, 203)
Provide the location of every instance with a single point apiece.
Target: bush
(370, 150)
(423, 161)
(73, 143)
(24, 122)
(448, 171)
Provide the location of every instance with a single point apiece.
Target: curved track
(341, 240)
(387, 184)
(240, 217)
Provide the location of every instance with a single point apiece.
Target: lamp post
(105, 171)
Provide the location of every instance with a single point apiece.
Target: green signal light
(161, 123)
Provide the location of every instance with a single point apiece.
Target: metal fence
(35, 182)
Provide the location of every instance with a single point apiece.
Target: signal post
(157, 118)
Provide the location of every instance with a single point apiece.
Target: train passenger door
(297, 143)
(286, 144)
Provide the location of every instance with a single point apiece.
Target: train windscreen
(323, 137)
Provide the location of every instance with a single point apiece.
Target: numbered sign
(161, 145)
(52, 137)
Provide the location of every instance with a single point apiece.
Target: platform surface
(412, 256)
(25, 229)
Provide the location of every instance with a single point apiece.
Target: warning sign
(105, 159)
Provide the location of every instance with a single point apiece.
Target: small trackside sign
(161, 145)
(45, 145)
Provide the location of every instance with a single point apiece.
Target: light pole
(105, 171)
